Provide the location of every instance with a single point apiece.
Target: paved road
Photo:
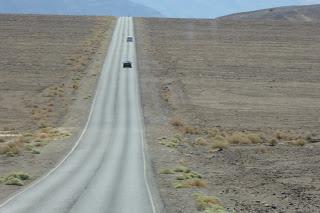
(105, 172)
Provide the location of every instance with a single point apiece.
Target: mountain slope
(215, 8)
(78, 7)
(293, 13)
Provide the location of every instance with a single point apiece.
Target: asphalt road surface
(106, 170)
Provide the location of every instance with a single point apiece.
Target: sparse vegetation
(238, 138)
(298, 142)
(11, 148)
(176, 121)
(166, 171)
(208, 204)
(219, 142)
(165, 93)
(16, 178)
(190, 130)
(273, 142)
(38, 138)
(171, 143)
(201, 141)
(213, 132)
(184, 177)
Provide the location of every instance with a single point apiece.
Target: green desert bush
(16, 178)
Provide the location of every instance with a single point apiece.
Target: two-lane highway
(106, 170)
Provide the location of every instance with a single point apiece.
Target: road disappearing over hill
(106, 170)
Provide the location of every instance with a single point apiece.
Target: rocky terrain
(231, 111)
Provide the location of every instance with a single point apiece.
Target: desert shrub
(189, 175)
(197, 183)
(35, 152)
(201, 141)
(219, 142)
(166, 171)
(238, 138)
(171, 143)
(11, 148)
(14, 181)
(213, 132)
(176, 121)
(182, 169)
(205, 203)
(190, 130)
(16, 178)
(280, 135)
(273, 142)
(254, 138)
(298, 142)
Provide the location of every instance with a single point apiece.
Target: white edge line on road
(72, 150)
(142, 132)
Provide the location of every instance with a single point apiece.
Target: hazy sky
(215, 8)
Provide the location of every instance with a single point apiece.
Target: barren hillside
(291, 13)
(238, 102)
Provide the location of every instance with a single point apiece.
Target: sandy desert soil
(206, 82)
(49, 67)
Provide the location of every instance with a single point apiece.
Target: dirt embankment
(236, 102)
(49, 67)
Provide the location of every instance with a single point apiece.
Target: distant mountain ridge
(78, 7)
(309, 13)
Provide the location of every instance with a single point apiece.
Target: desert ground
(231, 110)
(49, 67)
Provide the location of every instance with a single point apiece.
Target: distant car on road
(127, 64)
(129, 39)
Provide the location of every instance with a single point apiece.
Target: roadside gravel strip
(105, 171)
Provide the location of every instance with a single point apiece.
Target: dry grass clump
(30, 140)
(166, 171)
(198, 183)
(187, 178)
(16, 178)
(208, 204)
(219, 142)
(238, 138)
(273, 142)
(166, 93)
(244, 138)
(189, 130)
(213, 132)
(183, 127)
(254, 138)
(11, 149)
(298, 142)
(184, 177)
(201, 141)
(176, 121)
(286, 136)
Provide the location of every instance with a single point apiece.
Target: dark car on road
(129, 39)
(127, 64)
